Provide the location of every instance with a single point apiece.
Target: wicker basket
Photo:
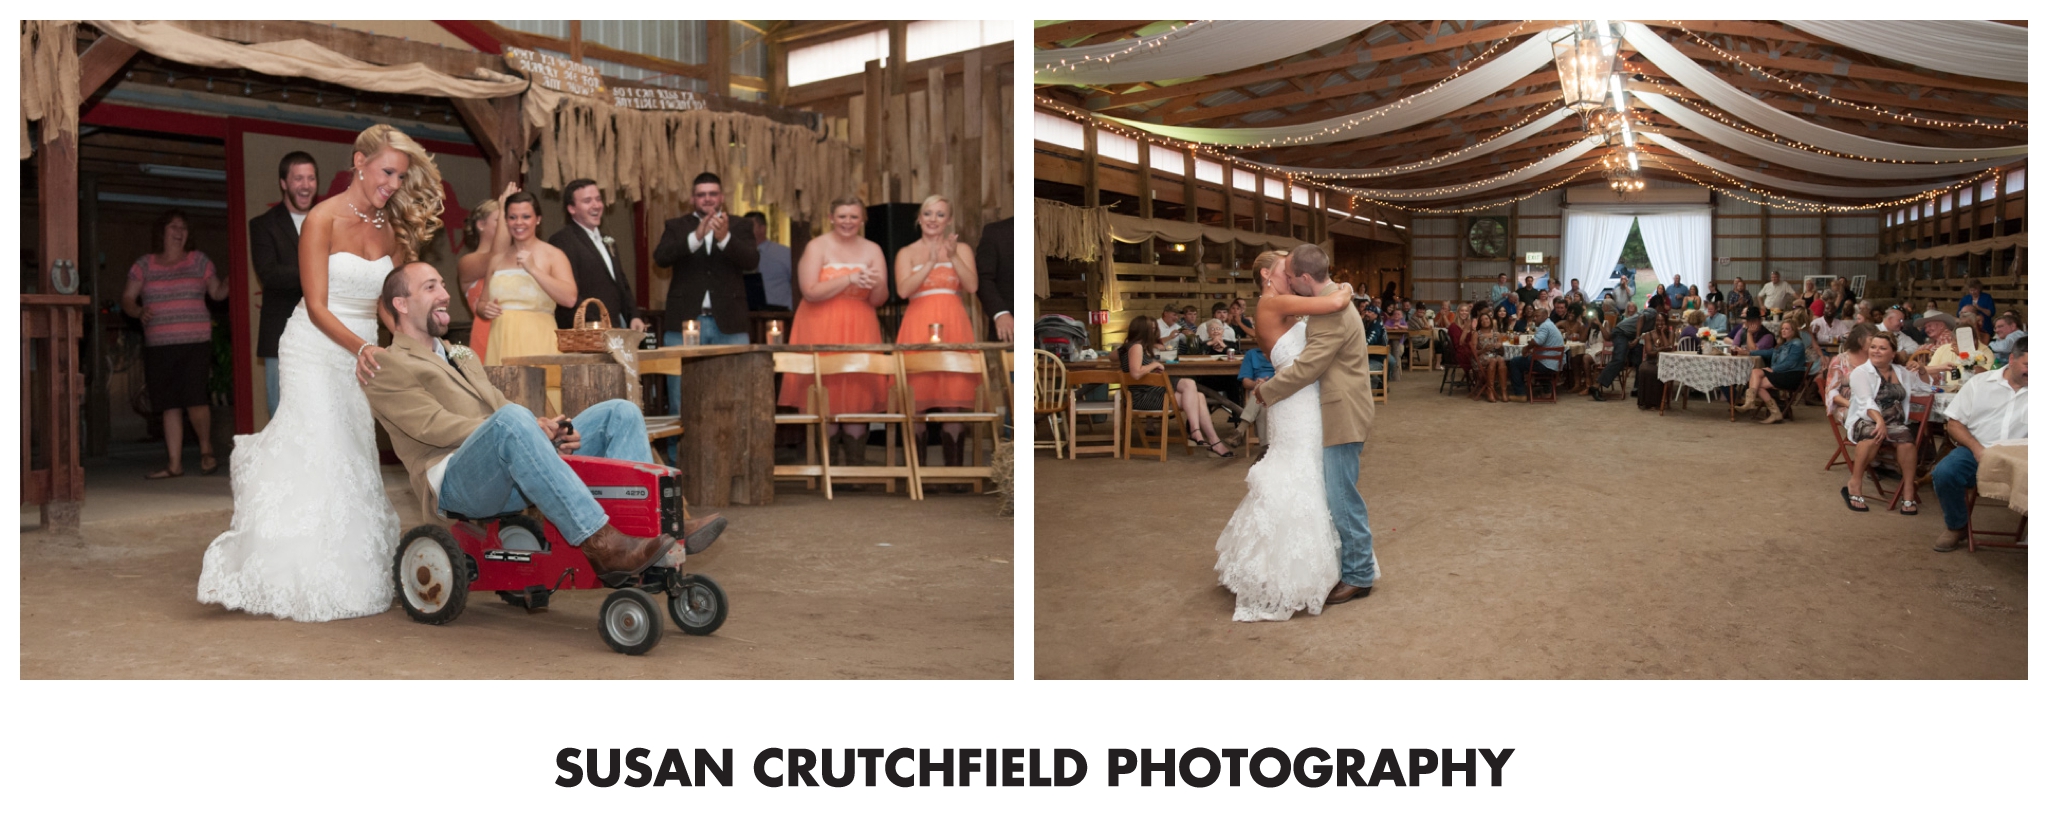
(595, 335)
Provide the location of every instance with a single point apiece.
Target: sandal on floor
(164, 474)
(1909, 507)
(1855, 502)
(208, 466)
(1223, 454)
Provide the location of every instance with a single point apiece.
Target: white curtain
(1205, 47)
(1592, 244)
(1680, 245)
(1748, 108)
(1499, 72)
(1792, 157)
(1978, 48)
(1758, 177)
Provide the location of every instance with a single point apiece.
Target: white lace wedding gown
(1279, 552)
(313, 532)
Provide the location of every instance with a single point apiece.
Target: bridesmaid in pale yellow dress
(528, 280)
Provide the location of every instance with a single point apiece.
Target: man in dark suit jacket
(594, 259)
(710, 254)
(994, 263)
(274, 248)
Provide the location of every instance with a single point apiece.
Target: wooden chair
(894, 419)
(1540, 374)
(1076, 408)
(1922, 405)
(817, 466)
(1379, 390)
(1971, 533)
(979, 468)
(1845, 452)
(1422, 350)
(1168, 413)
(1051, 400)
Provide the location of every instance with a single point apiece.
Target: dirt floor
(864, 586)
(1576, 540)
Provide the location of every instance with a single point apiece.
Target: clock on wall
(1488, 237)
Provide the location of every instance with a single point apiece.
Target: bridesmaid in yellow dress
(932, 273)
(843, 278)
(473, 269)
(528, 280)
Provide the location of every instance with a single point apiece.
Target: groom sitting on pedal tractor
(474, 455)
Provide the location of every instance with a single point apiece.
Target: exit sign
(1533, 258)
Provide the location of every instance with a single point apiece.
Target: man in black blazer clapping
(994, 263)
(594, 259)
(710, 254)
(274, 249)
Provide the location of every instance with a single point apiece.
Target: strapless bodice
(354, 283)
(514, 289)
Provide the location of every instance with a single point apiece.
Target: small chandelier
(1587, 56)
(1623, 171)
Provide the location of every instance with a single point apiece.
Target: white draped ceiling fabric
(1767, 180)
(1746, 108)
(1679, 245)
(1775, 153)
(1206, 47)
(1592, 244)
(1977, 48)
(1465, 90)
(1554, 161)
(1506, 140)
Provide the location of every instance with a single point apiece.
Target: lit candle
(690, 333)
(774, 332)
(936, 327)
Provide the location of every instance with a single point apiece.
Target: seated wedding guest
(1240, 322)
(2006, 328)
(1829, 327)
(168, 289)
(1695, 320)
(1459, 352)
(1785, 367)
(1499, 291)
(1520, 324)
(1490, 368)
(1753, 336)
(1878, 391)
(1990, 408)
(1546, 334)
(1658, 340)
(1837, 380)
(1894, 323)
(1375, 335)
(1975, 297)
(1213, 334)
(1574, 295)
(1220, 314)
(1692, 297)
(1715, 320)
(1969, 320)
(1397, 318)
(1939, 328)
(1863, 315)
(1137, 359)
(1169, 327)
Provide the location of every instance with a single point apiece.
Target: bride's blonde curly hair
(416, 207)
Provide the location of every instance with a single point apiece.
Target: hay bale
(1002, 472)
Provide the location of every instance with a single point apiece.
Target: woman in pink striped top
(168, 289)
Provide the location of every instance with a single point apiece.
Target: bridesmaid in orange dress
(842, 279)
(932, 273)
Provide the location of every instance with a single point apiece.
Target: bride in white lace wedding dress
(313, 531)
(1278, 554)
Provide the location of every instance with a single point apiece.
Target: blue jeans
(1953, 478)
(708, 334)
(508, 462)
(1347, 509)
(270, 384)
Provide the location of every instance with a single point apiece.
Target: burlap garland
(49, 79)
(1069, 232)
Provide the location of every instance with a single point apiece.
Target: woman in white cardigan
(1878, 394)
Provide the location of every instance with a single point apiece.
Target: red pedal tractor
(526, 561)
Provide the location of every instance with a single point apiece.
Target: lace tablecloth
(2002, 474)
(1704, 372)
(1512, 351)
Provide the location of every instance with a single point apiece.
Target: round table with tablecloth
(1705, 372)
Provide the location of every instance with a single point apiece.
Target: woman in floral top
(168, 290)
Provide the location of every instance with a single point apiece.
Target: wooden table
(727, 450)
(1186, 367)
(1705, 372)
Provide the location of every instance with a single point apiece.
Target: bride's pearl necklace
(376, 220)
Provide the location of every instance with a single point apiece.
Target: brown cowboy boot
(611, 551)
(1770, 405)
(1749, 402)
(698, 534)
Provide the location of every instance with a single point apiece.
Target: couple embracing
(1299, 539)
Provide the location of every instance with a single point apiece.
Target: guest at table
(1523, 319)
(1863, 315)
(2006, 327)
(934, 273)
(1990, 408)
(1695, 320)
(1976, 297)
(1499, 291)
(1852, 356)
(1692, 298)
(1714, 319)
(1740, 301)
(1241, 323)
(1878, 393)
(1939, 328)
(1660, 339)
(1170, 327)
(1137, 359)
(1894, 323)
(1574, 294)
(1713, 294)
(1785, 367)
(168, 289)
(1546, 334)
(1490, 372)
(1458, 351)
(841, 279)
(1753, 336)
(1829, 327)
(1777, 295)
(1397, 318)
(1845, 294)
(1219, 314)
(1527, 293)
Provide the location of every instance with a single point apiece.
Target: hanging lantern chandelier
(1587, 56)
(1623, 171)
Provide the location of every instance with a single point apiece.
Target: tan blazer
(428, 407)
(1335, 355)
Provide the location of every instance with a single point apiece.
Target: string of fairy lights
(1433, 161)
(1143, 44)
(1803, 89)
(1450, 190)
(1775, 138)
(1355, 199)
(1779, 200)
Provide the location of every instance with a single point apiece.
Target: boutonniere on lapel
(459, 353)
